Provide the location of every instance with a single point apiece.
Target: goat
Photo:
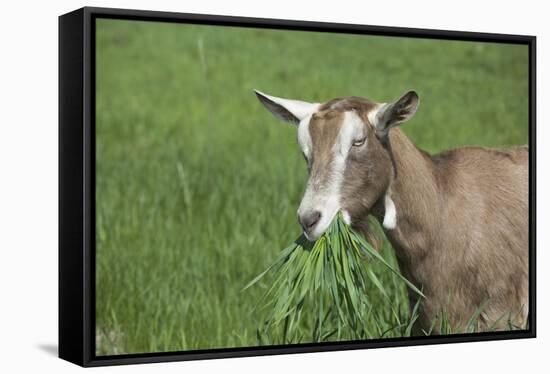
(457, 220)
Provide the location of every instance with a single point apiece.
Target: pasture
(197, 185)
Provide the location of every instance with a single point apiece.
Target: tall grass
(326, 280)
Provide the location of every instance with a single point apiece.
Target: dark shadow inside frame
(77, 184)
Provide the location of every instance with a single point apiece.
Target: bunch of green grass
(329, 280)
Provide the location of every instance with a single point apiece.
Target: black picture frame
(77, 184)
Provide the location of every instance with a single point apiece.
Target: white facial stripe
(352, 129)
(390, 216)
(327, 201)
(304, 138)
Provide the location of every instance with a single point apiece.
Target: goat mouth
(315, 232)
(311, 236)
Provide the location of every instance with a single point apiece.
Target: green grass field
(198, 185)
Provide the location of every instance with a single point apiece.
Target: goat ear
(292, 111)
(392, 114)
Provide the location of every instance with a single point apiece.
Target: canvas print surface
(260, 187)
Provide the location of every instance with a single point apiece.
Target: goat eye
(359, 142)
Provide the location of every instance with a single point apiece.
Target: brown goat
(458, 220)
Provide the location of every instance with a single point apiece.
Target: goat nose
(309, 219)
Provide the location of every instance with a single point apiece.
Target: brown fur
(462, 221)
(462, 227)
